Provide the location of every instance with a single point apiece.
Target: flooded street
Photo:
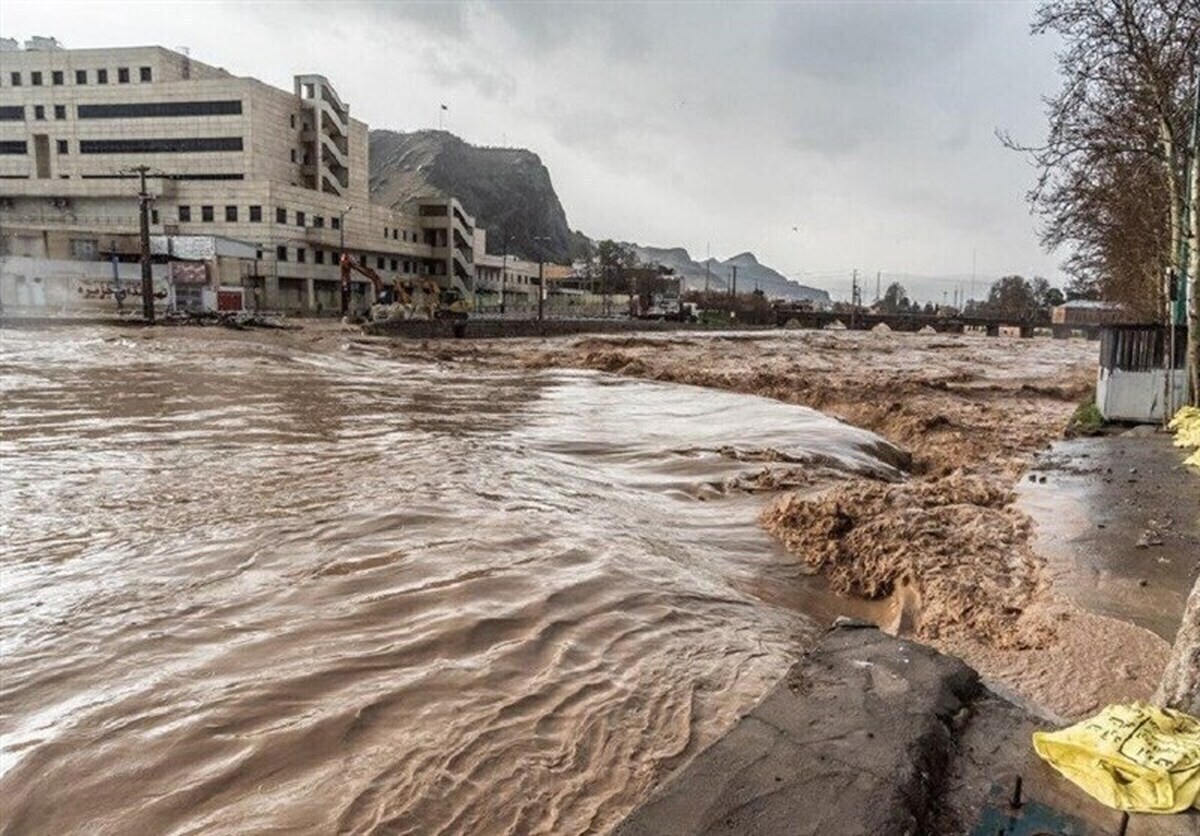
(248, 587)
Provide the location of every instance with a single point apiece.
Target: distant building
(1084, 312)
(285, 171)
(500, 278)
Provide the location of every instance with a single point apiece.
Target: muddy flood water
(248, 588)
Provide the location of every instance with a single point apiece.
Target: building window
(35, 78)
(143, 73)
(56, 78)
(13, 146)
(185, 214)
(319, 256)
(160, 146)
(39, 112)
(394, 231)
(102, 76)
(206, 214)
(231, 214)
(293, 155)
(301, 254)
(85, 249)
(122, 75)
(293, 120)
(335, 223)
(154, 216)
(280, 215)
(12, 113)
(81, 76)
(16, 79)
(395, 264)
(319, 221)
(62, 147)
(281, 253)
(299, 219)
(219, 107)
(60, 111)
(379, 262)
(255, 214)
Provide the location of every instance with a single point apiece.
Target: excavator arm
(349, 265)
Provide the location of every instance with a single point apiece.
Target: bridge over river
(861, 320)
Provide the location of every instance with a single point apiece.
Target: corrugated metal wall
(1139, 348)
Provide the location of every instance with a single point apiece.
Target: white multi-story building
(503, 281)
(228, 156)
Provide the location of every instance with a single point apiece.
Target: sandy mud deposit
(948, 549)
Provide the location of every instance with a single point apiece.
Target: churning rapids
(253, 588)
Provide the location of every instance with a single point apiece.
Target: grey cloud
(684, 122)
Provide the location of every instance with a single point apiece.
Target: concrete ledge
(851, 741)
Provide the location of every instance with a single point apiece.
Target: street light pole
(144, 223)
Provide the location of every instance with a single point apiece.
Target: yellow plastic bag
(1132, 757)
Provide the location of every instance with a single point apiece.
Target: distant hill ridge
(509, 190)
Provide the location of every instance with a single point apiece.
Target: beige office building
(228, 156)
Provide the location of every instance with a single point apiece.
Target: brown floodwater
(253, 588)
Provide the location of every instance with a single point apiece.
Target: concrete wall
(46, 287)
(1136, 396)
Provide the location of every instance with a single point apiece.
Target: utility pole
(707, 265)
(342, 258)
(541, 245)
(504, 275)
(878, 274)
(144, 223)
(733, 288)
(855, 297)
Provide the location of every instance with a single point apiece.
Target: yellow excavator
(418, 298)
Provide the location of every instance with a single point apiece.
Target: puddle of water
(1100, 496)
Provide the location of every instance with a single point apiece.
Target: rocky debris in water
(1148, 538)
(238, 320)
(955, 545)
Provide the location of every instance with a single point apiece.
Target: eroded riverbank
(951, 553)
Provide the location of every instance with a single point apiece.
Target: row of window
(300, 255)
(400, 235)
(140, 110)
(160, 145)
(58, 77)
(255, 215)
(16, 113)
(164, 145)
(222, 176)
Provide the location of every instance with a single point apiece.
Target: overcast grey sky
(870, 126)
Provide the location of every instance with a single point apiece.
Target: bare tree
(1113, 176)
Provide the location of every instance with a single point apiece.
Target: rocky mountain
(750, 274)
(503, 188)
(509, 189)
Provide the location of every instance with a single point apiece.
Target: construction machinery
(416, 298)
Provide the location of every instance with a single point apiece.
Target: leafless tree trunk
(1180, 686)
(1193, 309)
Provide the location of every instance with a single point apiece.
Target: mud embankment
(948, 549)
